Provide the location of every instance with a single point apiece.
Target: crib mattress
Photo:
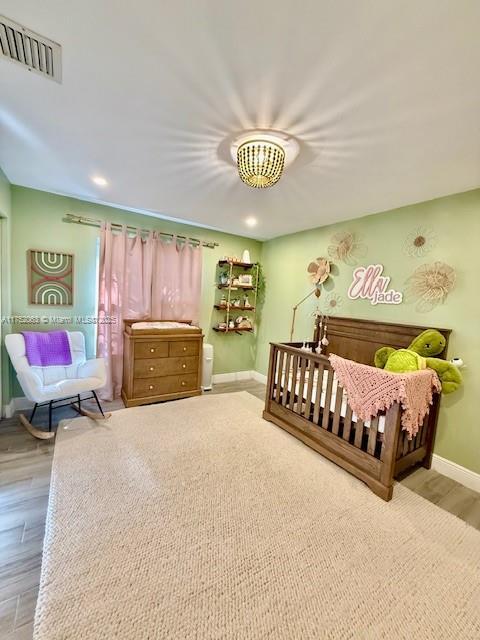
(343, 409)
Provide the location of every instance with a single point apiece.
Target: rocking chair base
(47, 435)
(93, 415)
(36, 433)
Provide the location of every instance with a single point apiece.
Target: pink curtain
(142, 278)
(176, 281)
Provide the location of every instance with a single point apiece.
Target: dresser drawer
(184, 348)
(151, 349)
(154, 367)
(143, 388)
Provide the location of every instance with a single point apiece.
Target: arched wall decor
(50, 278)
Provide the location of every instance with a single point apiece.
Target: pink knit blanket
(370, 390)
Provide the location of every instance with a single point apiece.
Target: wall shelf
(232, 287)
(235, 330)
(231, 310)
(244, 265)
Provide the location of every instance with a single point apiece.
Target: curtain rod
(93, 222)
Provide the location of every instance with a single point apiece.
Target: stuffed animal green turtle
(419, 355)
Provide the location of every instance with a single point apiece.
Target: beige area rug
(196, 519)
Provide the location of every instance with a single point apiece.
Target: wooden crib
(304, 398)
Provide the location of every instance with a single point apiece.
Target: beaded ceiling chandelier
(261, 156)
(260, 163)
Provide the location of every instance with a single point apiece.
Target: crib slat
(358, 434)
(372, 436)
(401, 440)
(294, 382)
(280, 359)
(347, 423)
(311, 377)
(425, 426)
(286, 379)
(338, 408)
(406, 443)
(328, 398)
(301, 385)
(318, 393)
(412, 444)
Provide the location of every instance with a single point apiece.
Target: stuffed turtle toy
(420, 355)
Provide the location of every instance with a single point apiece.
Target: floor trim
(234, 376)
(456, 472)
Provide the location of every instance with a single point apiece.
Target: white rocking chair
(54, 384)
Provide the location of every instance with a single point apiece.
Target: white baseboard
(17, 404)
(456, 472)
(259, 377)
(235, 376)
(8, 409)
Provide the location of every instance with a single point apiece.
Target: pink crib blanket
(371, 390)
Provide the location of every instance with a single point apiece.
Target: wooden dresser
(160, 364)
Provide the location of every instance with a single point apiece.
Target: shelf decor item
(246, 279)
(50, 278)
(246, 256)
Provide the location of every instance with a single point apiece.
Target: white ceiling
(384, 97)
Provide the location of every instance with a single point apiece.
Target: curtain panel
(142, 278)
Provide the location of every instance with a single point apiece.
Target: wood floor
(25, 465)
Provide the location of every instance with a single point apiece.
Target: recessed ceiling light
(100, 181)
(251, 221)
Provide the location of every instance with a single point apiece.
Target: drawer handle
(152, 350)
(150, 387)
(152, 368)
(184, 366)
(183, 383)
(184, 348)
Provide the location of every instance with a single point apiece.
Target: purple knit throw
(46, 349)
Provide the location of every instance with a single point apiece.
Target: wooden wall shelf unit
(232, 270)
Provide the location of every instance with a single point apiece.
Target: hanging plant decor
(419, 242)
(347, 248)
(429, 285)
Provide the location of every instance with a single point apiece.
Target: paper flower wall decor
(430, 285)
(319, 272)
(333, 302)
(419, 242)
(346, 246)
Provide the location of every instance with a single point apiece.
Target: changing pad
(163, 325)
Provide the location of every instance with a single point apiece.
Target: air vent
(31, 50)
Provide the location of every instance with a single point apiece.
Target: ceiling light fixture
(261, 156)
(251, 221)
(100, 181)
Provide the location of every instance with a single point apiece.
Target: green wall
(455, 221)
(5, 242)
(37, 224)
